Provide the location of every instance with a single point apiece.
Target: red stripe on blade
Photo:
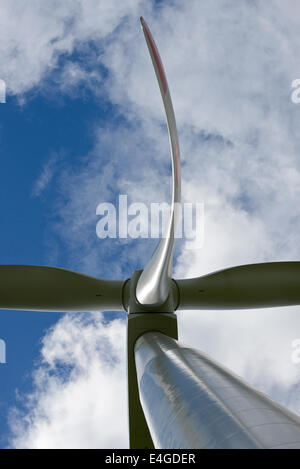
(156, 56)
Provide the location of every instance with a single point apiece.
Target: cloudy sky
(82, 123)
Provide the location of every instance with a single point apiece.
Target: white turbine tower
(178, 397)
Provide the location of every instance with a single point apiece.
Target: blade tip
(142, 22)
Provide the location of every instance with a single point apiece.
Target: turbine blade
(154, 284)
(244, 287)
(52, 289)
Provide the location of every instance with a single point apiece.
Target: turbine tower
(178, 397)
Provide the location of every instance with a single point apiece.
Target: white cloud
(46, 176)
(34, 35)
(79, 398)
(230, 66)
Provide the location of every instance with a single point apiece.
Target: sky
(82, 123)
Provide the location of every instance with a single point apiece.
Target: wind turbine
(178, 397)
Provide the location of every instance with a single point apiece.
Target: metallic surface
(248, 286)
(154, 284)
(190, 401)
(132, 305)
(43, 288)
(137, 325)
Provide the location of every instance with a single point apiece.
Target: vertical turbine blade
(154, 284)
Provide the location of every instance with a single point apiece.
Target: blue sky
(30, 134)
(43, 129)
(83, 123)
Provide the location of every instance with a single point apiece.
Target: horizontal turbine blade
(52, 289)
(247, 286)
